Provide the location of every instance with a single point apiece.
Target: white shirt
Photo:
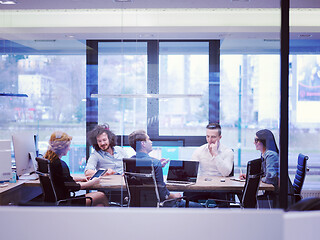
(220, 165)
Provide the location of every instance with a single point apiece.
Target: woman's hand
(94, 181)
(84, 179)
(242, 176)
(80, 179)
(89, 173)
(90, 183)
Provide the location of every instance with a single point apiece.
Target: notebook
(182, 172)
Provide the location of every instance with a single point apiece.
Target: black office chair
(306, 204)
(251, 187)
(142, 187)
(300, 176)
(294, 190)
(231, 196)
(49, 189)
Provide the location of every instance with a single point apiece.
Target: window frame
(153, 88)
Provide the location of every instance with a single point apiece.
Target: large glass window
(304, 121)
(122, 81)
(250, 97)
(240, 87)
(55, 86)
(184, 70)
(159, 86)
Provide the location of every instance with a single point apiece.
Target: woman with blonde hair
(59, 145)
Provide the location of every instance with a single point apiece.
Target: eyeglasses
(256, 140)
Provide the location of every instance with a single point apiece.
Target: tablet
(98, 173)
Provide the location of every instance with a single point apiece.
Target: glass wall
(304, 121)
(253, 80)
(55, 102)
(250, 97)
(122, 85)
(54, 84)
(184, 70)
(176, 68)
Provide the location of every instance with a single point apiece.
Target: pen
(240, 173)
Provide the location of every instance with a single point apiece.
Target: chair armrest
(70, 200)
(116, 204)
(236, 204)
(42, 174)
(294, 194)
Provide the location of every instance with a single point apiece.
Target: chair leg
(269, 203)
(187, 202)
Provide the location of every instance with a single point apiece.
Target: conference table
(25, 190)
(206, 184)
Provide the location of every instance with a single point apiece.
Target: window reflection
(55, 85)
(122, 70)
(184, 69)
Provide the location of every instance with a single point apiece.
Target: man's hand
(164, 162)
(109, 172)
(213, 148)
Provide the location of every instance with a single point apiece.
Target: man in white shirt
(215, 158)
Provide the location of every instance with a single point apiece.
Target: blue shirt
(270, 167)
(101, 159)
(163, 191)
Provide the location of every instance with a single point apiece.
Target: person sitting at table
(59, 145)
(264, 141)
(215, 159)
(106, 154)
(141, 143)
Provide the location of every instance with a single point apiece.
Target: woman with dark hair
(106, 154)
(59, 145)
(266, 144)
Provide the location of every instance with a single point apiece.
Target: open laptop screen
(182, 170)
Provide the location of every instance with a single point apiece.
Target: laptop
(182, 172)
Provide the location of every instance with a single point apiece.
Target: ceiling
(110, 4)
(40, 24)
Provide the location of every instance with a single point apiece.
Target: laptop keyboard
(179, 183)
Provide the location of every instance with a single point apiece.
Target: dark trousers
(203, 196)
